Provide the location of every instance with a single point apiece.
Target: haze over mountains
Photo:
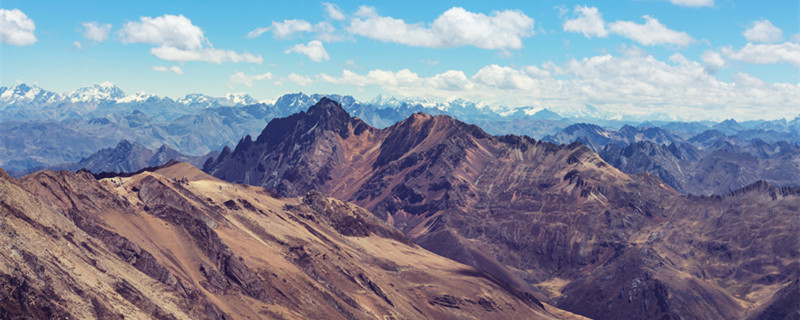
(45, 129)
(555, 219)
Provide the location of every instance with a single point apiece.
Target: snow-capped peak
(23, 93)
(228, 100)
(194, 98)
(139, 96)
(240, 98)
(98, 92)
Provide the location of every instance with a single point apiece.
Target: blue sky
(691, 59)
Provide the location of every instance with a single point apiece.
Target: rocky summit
(554, 221)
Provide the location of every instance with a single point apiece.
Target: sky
(687, 59)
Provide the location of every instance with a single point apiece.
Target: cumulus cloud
(314, 50)
(763, 31)
(167, 30)
(212, 55)
(333, 11)
(650, 33)
(179, 40)
(300, 79)
(290, 28)
(626, 85)
(501, 30)
(589, 22)
(96, 31)
(249, 80)
(16, 28)
(174, 69)
(713, 60)
(505, 78)
(762, 53)
(693, 3)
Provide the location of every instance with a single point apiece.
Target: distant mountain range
(40, 128)
(29, 103)
(708, 162)
(126, 156)
(555, 219)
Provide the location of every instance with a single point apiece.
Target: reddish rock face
(554, 220)
(175, 243)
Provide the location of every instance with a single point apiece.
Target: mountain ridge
(175, 243)
(531, 213)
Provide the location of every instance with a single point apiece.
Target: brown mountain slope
(556, 219)
(177, 243)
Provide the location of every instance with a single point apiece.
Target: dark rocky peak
(244, 144)
(327, 108)
(125, 145)
(212, 162)
(325, 115)
(419, 127)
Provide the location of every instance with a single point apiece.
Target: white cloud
(16, 28)
(763, 31)
(289, 28)
(249, 80)
(77, 45)
(257, 32)
(455, 27)
(650, 33)
(167, 30)
(174, 69)
(300, 79)
(96, 31)
(212, 55)
(333, 11)
(628, 85)
(179, 40)
(314, 50)
(351, 64)
(694, 3)
(713, 60)
(504, 78)
(589, 22)
(762, 53)
(404, 80)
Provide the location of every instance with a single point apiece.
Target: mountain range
(175, 243)
(44, 129)
(707, 162)
(125, 157)
(323, 215)
(554, 219)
